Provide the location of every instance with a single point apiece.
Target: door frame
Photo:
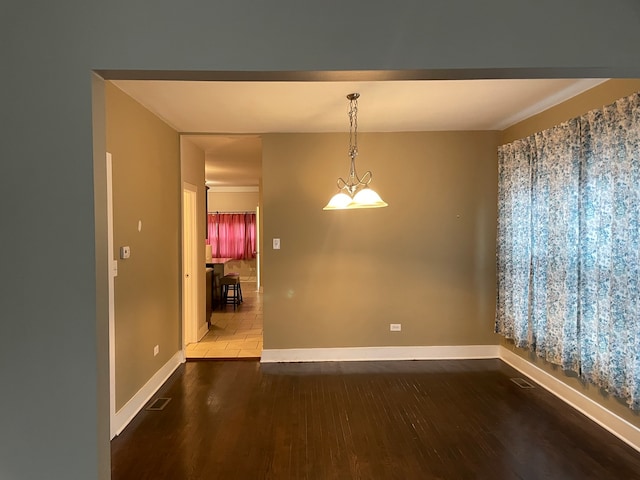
(189, 279)
(113, 273)
(258, 249)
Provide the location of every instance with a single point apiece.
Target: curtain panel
(232, 235)
(568, 246)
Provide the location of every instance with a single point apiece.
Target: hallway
(233, 334)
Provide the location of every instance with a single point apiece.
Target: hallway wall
(146, 189)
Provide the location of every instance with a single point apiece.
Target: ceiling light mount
(354, 192)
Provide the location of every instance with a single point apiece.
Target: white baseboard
(123, 416)
(608, 420)
(379, 353)
(202, 331)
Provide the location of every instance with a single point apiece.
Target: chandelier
(354, 192)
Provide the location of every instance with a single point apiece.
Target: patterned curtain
(554, 238)
(568, 252)
(610, 249)
(514, 241)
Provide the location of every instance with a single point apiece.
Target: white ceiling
(226, 119)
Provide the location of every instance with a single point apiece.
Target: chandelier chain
(353, 182)
(353, 127)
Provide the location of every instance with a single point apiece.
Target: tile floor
(233, 334)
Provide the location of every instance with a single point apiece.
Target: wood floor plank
(363, 420)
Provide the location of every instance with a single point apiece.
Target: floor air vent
(522, 383)
(158, 404)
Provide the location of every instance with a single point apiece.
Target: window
(232, 235)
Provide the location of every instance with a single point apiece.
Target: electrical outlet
(156, 350)
(395, 327)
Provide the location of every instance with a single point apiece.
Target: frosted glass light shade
(339, 201)
(367, 198)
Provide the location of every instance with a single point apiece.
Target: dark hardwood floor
(364, 420)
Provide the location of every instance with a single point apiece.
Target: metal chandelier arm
(354, 181)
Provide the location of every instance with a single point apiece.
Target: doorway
(235, 329)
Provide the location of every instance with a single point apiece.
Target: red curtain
(232, 235)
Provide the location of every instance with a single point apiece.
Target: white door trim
(113, 272)
(189, 264)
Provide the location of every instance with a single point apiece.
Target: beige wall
(427, 261)
(232, 201)
(597, 97)
(146, 187)
(192, 171)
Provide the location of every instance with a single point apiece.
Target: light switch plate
(276, 244)
(125, 252)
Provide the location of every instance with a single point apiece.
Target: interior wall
(604, 94)
(103, 261)
(50, 147)
(427, 261)
(146, 189)
(232, 201)
(192, 171)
